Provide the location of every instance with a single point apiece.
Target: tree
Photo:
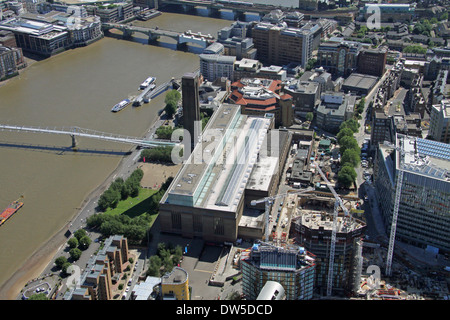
(309, 116)
(350, 123)
(65, 266)
(351, 157)
(73, 242)
(109, 199)
(347, 142)
(60, 261)
(171, 100)
(75, 254)
(84, 242)
(170, 109)
(346, 176)
(79, 234)
(310, 64)
(343, 133)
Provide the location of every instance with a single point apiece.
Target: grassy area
(134, 207)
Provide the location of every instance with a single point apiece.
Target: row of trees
(121, 190)
(166, 258)
(78, 243)
(134, 229)
(349, 151)
(161, 154)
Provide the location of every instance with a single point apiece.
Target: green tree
(351, 157)
(60, 261)
(84, 242)
(346, 176)
(350, 123)
(73, 242)
(75, 253)
(172, 98)
(343, 133)
(65, 266)
(79, 234)
(109, 199)
(309, 116)
(347, 142)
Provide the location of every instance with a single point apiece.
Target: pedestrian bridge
(88, 133)
(155, 33)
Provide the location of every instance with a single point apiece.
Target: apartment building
(213, 66)
(292, 267)
(102, 270)
(313, 230)
(11, 60)
(281, 45)
(440, 121)
(424, 207)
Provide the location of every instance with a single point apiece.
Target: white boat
(122, 104)
(147, 82)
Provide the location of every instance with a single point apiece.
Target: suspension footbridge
(75, 132)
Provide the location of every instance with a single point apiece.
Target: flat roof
(362, 81)
(216, 173)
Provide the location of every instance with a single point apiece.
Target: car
(129, 282)
(127, 289)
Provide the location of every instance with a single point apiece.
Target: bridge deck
(88, 133)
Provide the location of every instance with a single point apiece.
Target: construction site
(348, 265)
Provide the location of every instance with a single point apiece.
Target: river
(77, 88)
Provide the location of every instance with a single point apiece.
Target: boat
(10, 210)
(122, 104)
(147, 82)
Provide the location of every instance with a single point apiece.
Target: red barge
(10, 210)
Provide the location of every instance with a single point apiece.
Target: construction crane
(398, 192)
(338, 203)
(268, 202)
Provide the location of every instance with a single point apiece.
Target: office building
(260, 96)
(382, 128)
(339, 58)
(206, 199)
(305, 96)
(38, 37)
(372, 61)
(424, 207)
(292, 267)
(236, 41)
(334, 108)
(440, 121)
(190, 83)
(281, 45)
(359, 84)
